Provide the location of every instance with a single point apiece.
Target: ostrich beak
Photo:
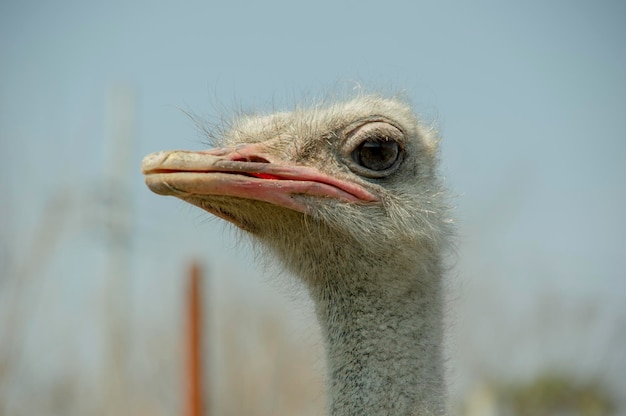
(246, 172)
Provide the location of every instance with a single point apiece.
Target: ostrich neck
(383, 346)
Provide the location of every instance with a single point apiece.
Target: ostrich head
(325, 188)
(348, 198)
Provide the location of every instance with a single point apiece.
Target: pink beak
(247, 172)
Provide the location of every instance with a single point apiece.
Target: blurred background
(530, 100)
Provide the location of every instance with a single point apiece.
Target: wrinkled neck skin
(384, 347)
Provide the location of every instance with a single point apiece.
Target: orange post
(195, 402)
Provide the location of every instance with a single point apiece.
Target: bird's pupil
(376, 155)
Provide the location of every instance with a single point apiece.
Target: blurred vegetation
(549, 394)
(255, 367)
(555, 395)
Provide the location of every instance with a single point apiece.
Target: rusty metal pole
(195, 379)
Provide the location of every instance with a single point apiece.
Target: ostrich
(347, 197)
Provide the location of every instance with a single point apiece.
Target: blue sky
(529, 97)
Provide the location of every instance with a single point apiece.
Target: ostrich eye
(376, 155)
(374, 149)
